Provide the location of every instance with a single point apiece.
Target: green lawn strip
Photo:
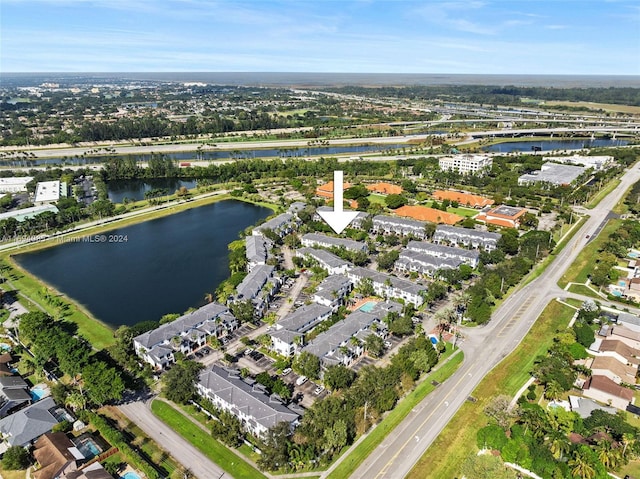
(458, 439)
(632, 469)
(573, 302)
(608, 188)
(579, 271)
(375, 198)
(584, 290)
(462, 211)
(221, 455)
(404, 407)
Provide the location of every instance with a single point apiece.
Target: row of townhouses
(411, 261)
(245, 399)
(343, 342)
(282, 225)
(469, 257)
(257, 251)
(388, 286)
(326, 260)
(383, 224)
(456, 236)
(355, 223)
(185, 334)
(259, 286)
(324, 241)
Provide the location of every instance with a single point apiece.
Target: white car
(286, 371)
(301, 380)
(318, 390)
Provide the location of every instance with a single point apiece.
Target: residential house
(26, 425)
(620, 351)
(388, 286)
(257, 251)
(185, 334)
(5, 364)
(507, 216)
(456, 236)
(603, 389)
(614, 370)
(92, 471)
(332, 291)
(628, 320)
(257, 411)
(355, 222)
(281, 225)
(627, 336)
(325, 259)
(14, 392)
(342, 343)
(324, 241)
(56, 455)
(553, 174)
(386, 225)
(413, 261)
(432, 215)
(584, 407)
(466, 164)
(259, 286)
(462, 198)
(287, 335)
(469, 257)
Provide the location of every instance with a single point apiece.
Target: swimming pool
(632, 254)
(616, 293)
(5, 347)
(368, 306)
(130, 475)
(38, 393)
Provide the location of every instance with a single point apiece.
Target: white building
(383, 224)
(470, 257)
(332, 291)
(466, 164)
(259, 286)
(414, 261)
(595, 162)
(50, 192)
(456, 236)
(281, 225)
(288, 334)
(325, 259)
(14, 184)
(324, 241)
(257, 251)
(553, 174)
(388, 286)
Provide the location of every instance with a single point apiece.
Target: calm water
(135, 189)
(552, 145)
(166, 265)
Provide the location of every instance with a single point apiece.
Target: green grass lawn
(579, 271)
(584, 290)
(608, 188)
(458, 439)
(366, 447)
(218, 453)
(376, 198)
(462, 211)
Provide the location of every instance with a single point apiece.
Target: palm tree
(553, 390)
(558, 445)
(208, 297)
(606, 454)
(627, 440)
(75, 400)
(581, 467)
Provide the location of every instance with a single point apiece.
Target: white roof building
(50, 191)
(466, 164)
(595, 162)
(14, 184)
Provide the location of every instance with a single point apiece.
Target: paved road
(484, 348)
(199, 464)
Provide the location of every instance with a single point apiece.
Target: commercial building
(470, 257)
(326, 190)
(185, 334)
(507, 216)
(466, 164)
(385, 188)
(553, 174)
(432, 215)
(388, 286)
(325, 259)
(456, 236)
(245, 399)
(50, 192)
(383, 224)
(322, 240)
(595, 162)
(466, 199)
(14, 184)
(26, 213)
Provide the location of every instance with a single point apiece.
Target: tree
(275, 446)
(365, 287)
(374, 345)
(15, 458)
(338, 377)
(307, 364)
(243, 310)
(395, 201)
(580, 465)
(102, 383)
(335, 437)
(179, 381)
(499, 409)
(387, 260)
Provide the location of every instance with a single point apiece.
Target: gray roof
(16, 394)
(276, 222)
(584, 406)
(296, 207)
(257, 249)
(227, 385)
(252, 284)
(285, 335)
(456, 231)
(403, 223)
(555, 174)
(29, 423)
(325, 240)
(381, 278)
(626, 318)
(305, 317)
(181, 325)
(443, 251)
(12, 382)
(323, 257)
(425, 262)
(340, 332)
(332, 283)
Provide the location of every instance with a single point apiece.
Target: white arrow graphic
(338, 219)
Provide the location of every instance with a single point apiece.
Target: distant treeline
(502, 95)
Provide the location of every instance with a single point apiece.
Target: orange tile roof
(385, 188)
(424, 213)
(326, 190)
(495, 221)
(463, 198)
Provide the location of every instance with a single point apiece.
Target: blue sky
(403, 36)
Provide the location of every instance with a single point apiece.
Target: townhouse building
(325, 259)
(332, 291)
(469, 257)
(456, 236)
(259, 286)
(324, 241)
(389, 286)
(383, 224)
(414, 261)
(282, 225)
(185, 334)
(257, 251)
(245, 399)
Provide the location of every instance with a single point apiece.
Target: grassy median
(395, 417)
(458, 439)
(218, 453)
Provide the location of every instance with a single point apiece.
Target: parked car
(248, 351)
(301, 380)
(318, 390)
(206, 350)
(286, 371)
(387, 344)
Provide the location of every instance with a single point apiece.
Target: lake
(525, 146)
(165, 265)
(118, 190)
